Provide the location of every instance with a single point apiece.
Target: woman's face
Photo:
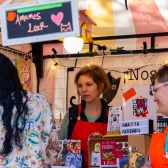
(161, 97)
(87, 88)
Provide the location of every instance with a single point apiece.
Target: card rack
(93, 141)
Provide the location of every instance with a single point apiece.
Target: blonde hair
(97, 74)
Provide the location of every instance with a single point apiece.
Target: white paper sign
(139, 104)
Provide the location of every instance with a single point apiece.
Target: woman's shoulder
(37, 102)
(34, 96)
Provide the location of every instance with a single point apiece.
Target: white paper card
(95, 159)
(114, 118)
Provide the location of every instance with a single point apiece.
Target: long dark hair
(12, 95)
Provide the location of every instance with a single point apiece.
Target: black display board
(42, 22)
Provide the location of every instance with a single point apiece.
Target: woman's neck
(93, 108)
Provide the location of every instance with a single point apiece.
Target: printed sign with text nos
(39, 21)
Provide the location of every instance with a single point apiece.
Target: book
(73, 160)
(124, 162)
(107, 152)
(72, 153)
(72, 146)
(54, 151)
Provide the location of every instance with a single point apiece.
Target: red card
(119, 154)
(129, 93)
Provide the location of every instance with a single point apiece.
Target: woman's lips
(85, 96)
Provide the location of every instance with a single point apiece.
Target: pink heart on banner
(57, 18)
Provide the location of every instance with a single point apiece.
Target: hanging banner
(24, 71)
(39, 21)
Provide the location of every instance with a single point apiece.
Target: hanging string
(8, 49)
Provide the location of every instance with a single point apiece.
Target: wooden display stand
(142, 142)
(93, 141)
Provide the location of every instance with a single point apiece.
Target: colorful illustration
(140, 107)
(137, 160)
(72, 146)
(56, 152)
(72, 153)
(73, 160)
(24, 71)
(108, 152)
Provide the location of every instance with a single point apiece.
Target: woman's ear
(101, 88)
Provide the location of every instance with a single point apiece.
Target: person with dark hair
(157, 156)
(26, 122)
(91, 116)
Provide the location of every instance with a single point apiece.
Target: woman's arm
(147, 162)
(64, 127)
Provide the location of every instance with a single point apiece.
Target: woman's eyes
(79, 86)
(155, 90)
(87, 84)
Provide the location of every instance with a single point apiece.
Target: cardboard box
(142, 142)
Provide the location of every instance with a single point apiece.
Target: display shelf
(93, 141)
(161, 124)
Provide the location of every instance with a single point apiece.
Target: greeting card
(107, 152)
(114, 118)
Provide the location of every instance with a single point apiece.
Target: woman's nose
(154, 99)
(84, 88)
